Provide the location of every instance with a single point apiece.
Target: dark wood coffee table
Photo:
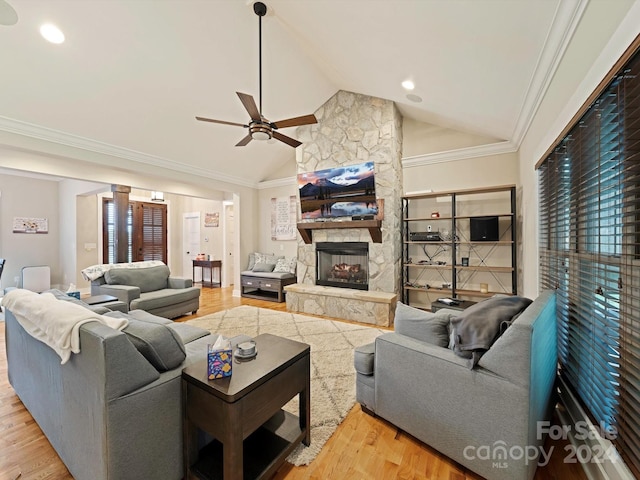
(253, 435)
(99, 299)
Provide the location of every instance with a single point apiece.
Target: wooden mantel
(374, 226)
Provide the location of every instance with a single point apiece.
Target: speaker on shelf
(484, 229)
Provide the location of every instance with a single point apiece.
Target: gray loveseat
(109, 413)
(151, 289)
(482, 418)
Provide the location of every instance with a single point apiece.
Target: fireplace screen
(342, 264)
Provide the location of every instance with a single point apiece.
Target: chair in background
(37, 279)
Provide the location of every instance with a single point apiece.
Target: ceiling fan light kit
(259, 127)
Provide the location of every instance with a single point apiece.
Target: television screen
(338, 192)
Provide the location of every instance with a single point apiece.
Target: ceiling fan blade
(296, 121)
(250, 104)
(244, 141)
(288, 140)
(204, 119)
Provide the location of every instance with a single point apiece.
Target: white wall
(420, 138)
(71, 225)
(29, 197)
(461, 174)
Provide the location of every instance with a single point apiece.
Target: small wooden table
(210, 264)
(253, 435)
(464, 304)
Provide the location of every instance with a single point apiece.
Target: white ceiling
(132, 74)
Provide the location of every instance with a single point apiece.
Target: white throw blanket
(54, 322)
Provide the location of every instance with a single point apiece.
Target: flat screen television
(338, 192)
(484, 229)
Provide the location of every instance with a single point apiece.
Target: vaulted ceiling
(132, 74)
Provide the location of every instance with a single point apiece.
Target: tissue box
(219, 364)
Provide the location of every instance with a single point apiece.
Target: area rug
(333, 388)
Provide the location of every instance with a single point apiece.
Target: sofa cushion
(146, 279)
(248, 273)
(187, 333)
(264, 267)
(159, 344)
(475, 329)
(422, 325)
(164, 298)
(363, 359)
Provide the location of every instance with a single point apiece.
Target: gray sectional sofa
(482, 417)
(110, 412)
(151, 289)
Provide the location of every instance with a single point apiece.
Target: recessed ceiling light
(414, 98)
(408, 85)
(52, 33)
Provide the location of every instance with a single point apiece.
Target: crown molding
(55, 136)
(279, 182)
(564, 24)
(459, 154)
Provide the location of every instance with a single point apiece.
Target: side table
(243, 412)
(99, 299)
(210, 264)
(464, 304)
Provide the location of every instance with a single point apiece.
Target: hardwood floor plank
(363, 447)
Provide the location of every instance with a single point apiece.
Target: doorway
(228, 244)
(190, 244)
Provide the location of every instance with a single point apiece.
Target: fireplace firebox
(343, 264)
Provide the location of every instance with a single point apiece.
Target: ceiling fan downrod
(260, 10)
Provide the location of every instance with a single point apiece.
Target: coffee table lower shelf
(264, 450)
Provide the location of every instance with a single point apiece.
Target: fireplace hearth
(343, 264)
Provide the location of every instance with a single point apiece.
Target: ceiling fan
(259, 127)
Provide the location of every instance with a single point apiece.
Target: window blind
(146, 231)
(589, 189)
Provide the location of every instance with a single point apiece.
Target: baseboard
(589, 446)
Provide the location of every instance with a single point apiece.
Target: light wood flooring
(363, 447)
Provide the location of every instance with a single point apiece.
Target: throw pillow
(252, 261)
(476, 328)
(266, 258)
(422, 325)
(263, 267)
(286, 265)
(159, 344)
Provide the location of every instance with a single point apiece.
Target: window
(146, 231)
(589, 251)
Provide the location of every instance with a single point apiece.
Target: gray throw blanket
(476, 328)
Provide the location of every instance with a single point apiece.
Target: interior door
(146, 231)
(229, 242)
(190, 244)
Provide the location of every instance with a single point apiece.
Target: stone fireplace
(351, 129)
(343, 264)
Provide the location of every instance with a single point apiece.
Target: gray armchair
(427, 390)
(151, 289)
